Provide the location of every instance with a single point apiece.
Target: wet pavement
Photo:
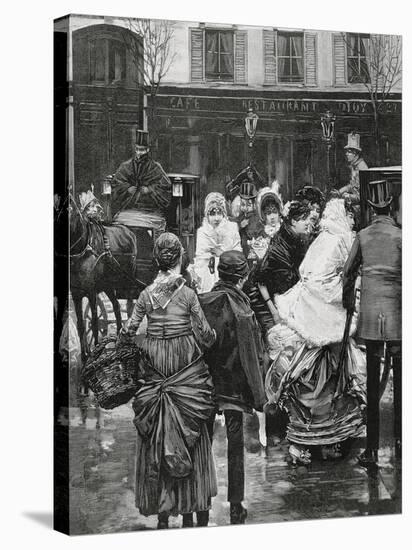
(102, 462)
(102, 478)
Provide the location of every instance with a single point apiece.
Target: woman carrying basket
(174, 466)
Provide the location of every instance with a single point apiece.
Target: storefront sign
(195, 104)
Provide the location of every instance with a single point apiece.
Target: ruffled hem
(328, 434)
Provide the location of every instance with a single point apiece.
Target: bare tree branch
(384, 71)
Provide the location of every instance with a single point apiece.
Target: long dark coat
(236, 360)
(378, 248)
(279, 270)
(138, 173)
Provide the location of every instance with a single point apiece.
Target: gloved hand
(212, 265)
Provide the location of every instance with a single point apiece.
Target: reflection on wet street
(102, 478)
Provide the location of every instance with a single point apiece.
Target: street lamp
(251, 121)
(328, 127)
(327, 123)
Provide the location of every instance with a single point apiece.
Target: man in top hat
(353, 156)
(377, 249)
(141, 188)
(236, 363)
(248, 219)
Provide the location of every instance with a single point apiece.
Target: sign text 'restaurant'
(270, 106)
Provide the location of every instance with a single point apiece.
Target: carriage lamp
(107, 186)
(177, 188)
(251, 121)
(327, 123)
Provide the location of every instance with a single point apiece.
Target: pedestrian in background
(377, 250)
(216, 235)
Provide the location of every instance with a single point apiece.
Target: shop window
(219, 59)
(290, 56)
(356, 51)
(107, 61)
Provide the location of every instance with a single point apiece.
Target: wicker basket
(111, 372)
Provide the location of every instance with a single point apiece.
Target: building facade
(100, 95)
(290, 78)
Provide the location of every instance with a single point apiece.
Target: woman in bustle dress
(174, 466)
(324, 404)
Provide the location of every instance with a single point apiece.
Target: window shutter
(269, 49)
(196, 55)
(311, 58)
(339, 59)
(241, 56)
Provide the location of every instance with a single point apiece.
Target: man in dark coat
(378, 249)
(236, 365)
(140, 185)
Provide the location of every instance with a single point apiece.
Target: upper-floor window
(290, 56)
(219, 59)
(356, 51)
(107, 61)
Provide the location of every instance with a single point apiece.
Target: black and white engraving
(228, 278)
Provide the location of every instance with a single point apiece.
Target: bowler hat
(379, 194)
(353, 142)
(142, 138)
(248, 190)
(233, 263)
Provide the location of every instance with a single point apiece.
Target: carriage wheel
(102, 322)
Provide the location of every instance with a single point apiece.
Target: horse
(103, 258)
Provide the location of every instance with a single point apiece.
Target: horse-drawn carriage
(111, 263)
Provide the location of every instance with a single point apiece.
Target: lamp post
(251, 121)
(327, 123)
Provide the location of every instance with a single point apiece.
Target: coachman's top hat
(142, 138)
(353, 142)
(247, 190)
(379, 194)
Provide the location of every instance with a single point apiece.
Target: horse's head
(77, 226)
